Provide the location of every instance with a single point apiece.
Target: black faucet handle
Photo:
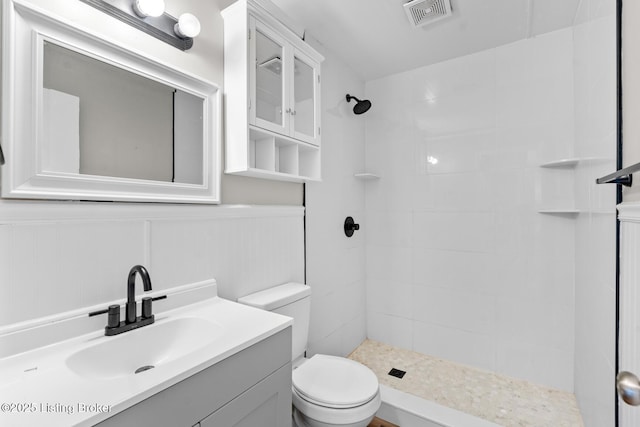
(146, 307)
(113, 319)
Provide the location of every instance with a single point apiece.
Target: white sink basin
(143, 349)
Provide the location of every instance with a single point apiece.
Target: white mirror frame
(24, 30)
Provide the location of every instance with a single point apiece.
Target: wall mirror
(86, 119)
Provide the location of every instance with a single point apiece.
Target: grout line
(529, 19)
(575, 15)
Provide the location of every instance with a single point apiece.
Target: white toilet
(327, 390)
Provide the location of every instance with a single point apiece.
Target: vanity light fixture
(149, 16)
(188, 26)
(144, 8)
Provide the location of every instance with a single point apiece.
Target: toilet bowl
(334, 391)
(326, 390)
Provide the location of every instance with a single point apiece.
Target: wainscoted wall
(60, 257)
(595, 128)
(459, 263)
(335, 263)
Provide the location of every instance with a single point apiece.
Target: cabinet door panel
(267, 404)
(304, 110)
(305, 118)
(270, 92)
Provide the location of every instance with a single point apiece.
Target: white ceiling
(376, 39)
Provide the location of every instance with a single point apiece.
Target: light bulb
(188, 26)
(144, 8)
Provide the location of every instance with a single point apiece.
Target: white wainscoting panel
(59, 256)
(629, 334)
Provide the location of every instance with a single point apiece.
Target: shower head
(361, 106)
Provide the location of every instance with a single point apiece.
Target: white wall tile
(514, 322)
(393, 330)
(353, 334)
(462, 310)
(326, 315)
(389, 228)
(460, 192)
(352, 304)
(454, 231)
(545, 365)
(387, 263)
(390, 296)
(453, 344)
(453, 153)
(442, 268)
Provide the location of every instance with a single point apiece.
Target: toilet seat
(360, 415)
(334, 382)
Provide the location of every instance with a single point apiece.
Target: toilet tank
(290, 299)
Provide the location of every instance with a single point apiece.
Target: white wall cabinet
(272, 97)
(250, 388)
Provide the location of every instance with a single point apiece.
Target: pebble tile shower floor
(503, 400)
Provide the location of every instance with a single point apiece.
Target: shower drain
(397, 373)
(144, 368)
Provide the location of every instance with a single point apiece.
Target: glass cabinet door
(269, 81)
(304, 100)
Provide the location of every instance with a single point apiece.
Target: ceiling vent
(423, 12)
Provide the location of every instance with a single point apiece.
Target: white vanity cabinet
(251, 388)
(272, 97)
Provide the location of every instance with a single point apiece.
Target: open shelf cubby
(283, 158)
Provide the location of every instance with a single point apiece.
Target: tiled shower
(460, 263)
(473, 251)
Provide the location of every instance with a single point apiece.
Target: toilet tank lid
(276, 297)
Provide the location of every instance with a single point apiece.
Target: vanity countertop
(42, 387)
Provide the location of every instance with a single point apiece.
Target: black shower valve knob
(350, 226)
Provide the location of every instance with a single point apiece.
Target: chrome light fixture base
(161, 27)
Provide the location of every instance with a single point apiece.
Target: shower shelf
(563, 163)
(366, 176)
(559, 211)
(563, 166)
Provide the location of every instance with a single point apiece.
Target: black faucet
(131, 288)
(132, 321)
